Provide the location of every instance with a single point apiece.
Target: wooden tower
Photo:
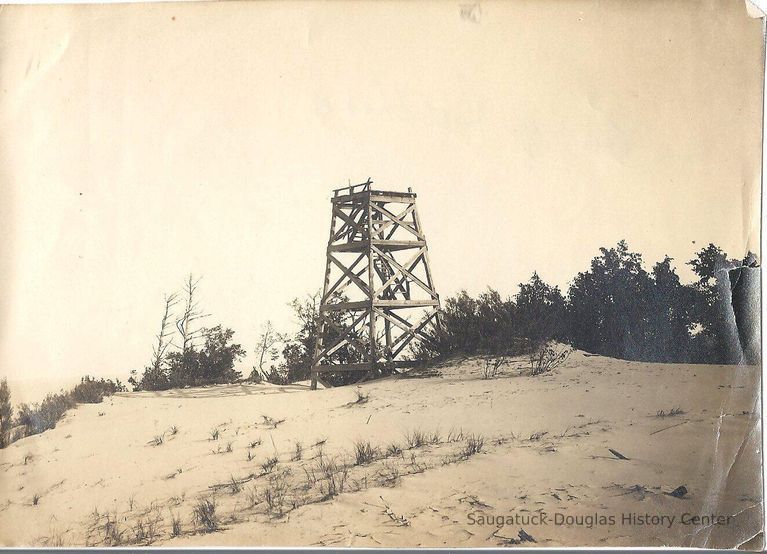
(378, 296)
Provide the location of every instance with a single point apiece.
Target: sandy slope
(100, 480)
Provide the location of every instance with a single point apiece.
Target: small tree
(6, 414)
(266, 347)
(217, 357)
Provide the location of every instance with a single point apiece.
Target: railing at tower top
(353, 189)
(366, 187)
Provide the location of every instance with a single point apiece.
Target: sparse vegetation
(671, 413)
(492, 366)
(455, 435)
(298, 453)
(6, 413)
(274, 495)
(362, 397)
(92, 391)
(251, 494)
(35, 499)
(269, 465)
(547, 357)
(474, 444)
(416, 438)
(273, 423)
(255, 443)
(538, 435)
(112, 532)
(214, 434)
(364, 453)
(44, 415)
(333, 477)
(204, 514)
(234, 485)
(157, 440)
(393, 449)
(175, 525)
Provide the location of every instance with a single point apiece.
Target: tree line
(614, 308)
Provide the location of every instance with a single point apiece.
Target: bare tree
(266, 342)
(163, 342)
(192, 313)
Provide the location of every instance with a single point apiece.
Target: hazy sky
(142, 142)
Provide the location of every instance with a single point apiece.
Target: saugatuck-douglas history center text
(597, 519)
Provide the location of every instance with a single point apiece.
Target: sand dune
(532, 451)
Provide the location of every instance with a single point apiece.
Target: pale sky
(144, 142)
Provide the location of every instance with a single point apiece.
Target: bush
(212, 364)
(91, 391)
(44, 415)
(547, 357)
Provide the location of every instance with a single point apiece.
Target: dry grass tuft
(671, 413)
(204, 514)
(473, 445)
(269, 465)
(364, 453)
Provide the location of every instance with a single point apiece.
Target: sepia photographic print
(381, 274)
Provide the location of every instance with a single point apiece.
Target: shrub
(91, 391)
(492, 366)
(211, 364)
(547, 357)
(44, 415)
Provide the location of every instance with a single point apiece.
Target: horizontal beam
(376, 195)
(378, 303)
(384, 196)
(341, 306)
(326, 368)
(382, 244)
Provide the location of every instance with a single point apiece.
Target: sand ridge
(406, 462)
